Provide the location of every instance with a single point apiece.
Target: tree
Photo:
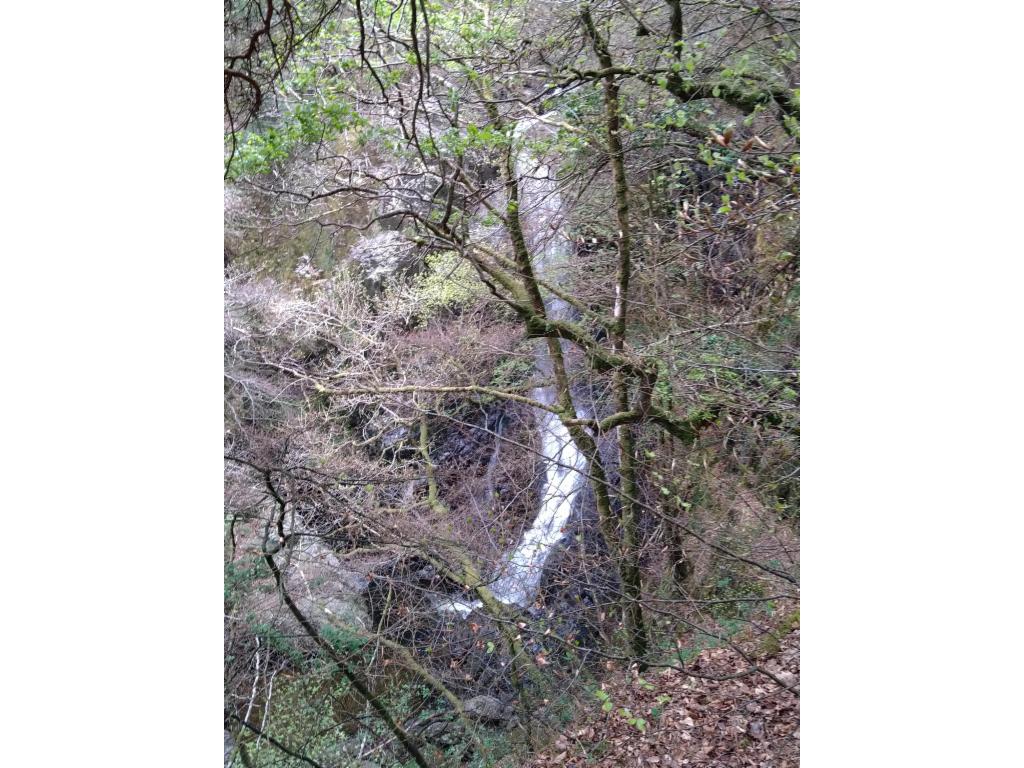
(610, 188)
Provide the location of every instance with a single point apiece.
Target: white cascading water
(519, 576)
(521, 573)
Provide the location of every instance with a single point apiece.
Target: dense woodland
(511, 338)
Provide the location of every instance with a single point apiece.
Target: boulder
(384, 255)
(485, 708)
(787, 678)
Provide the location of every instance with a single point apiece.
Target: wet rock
(485, 708)
(394, 438)
(427, 573)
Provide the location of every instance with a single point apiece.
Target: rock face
(328, 591)
(384, 255)
(325, 590)
(485, 708)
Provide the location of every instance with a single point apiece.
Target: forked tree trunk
(628, 486)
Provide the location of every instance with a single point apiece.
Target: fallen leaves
(748, 722)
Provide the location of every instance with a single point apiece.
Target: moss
(512, 371)
(772, 642)
(447, 285)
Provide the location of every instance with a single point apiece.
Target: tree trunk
(628, 487)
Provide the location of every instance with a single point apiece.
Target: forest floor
(675, 719)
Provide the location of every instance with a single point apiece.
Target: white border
(112, 332)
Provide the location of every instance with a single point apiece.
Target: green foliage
(277, 641)
(240, 576)
(301, 714)
(474, 137)
(447, 285)
(624, 712)
(635, 720)
(309, 122)
(343, 640)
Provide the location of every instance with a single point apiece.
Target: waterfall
(564, 465)
(520, 572)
